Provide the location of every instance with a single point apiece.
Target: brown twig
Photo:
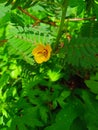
(27, 13)
(37, 20)
(80, 19)
(2, 42)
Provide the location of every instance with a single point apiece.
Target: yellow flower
(42, 53)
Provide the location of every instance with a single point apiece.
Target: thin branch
(42, 21)
(27, 13)
(80, 19)
(37, 20)
(2, 42)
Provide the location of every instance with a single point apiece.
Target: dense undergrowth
(48, 65)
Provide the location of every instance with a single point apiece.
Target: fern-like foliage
(81, 52)
(89, 29)
(27, 3)
(20, 46)
(21, 41)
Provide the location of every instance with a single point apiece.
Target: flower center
(43, 53)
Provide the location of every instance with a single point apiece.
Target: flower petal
(40, 48)
(42, 53)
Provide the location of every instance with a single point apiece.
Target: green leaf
(31, 114)
(73, 3)
(43, 113)
(93, 85)
(96, 9)
(62, 97)
(3, 10)
(2, 1)
(17, 19)
(16, 3)
(54, 75)
(18, 45)
(27, 116)
(91, 110)
(78, 55)
(89, 29)
(30, 3)
(80, 4)
(67, 115)
(17, 123)
(79, 124)
(8, 2)
(4, 80)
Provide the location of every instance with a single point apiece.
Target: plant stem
(64, 9)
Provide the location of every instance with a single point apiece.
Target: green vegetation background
(61, 93)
